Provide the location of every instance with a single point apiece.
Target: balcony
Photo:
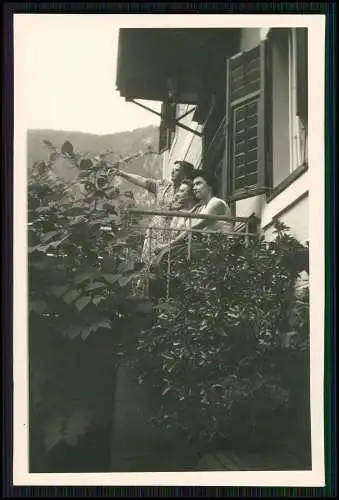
(160, 268)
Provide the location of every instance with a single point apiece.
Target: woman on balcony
(164, 190)
(204, 188)
(185, 201)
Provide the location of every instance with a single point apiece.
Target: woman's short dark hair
(209, 178)
(187, 168)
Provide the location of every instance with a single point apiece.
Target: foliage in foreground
(82, 259)
(227, 359)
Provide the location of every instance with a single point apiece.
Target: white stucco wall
(292, 204)
(186, 146)
(250, 37)
(297, 219)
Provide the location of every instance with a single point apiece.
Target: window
(300, 37)
(210, 115)
(289, 102)
(246, 123)
(213, 138)
(167, 126)
(266, 138)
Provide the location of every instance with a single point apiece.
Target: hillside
(123, 143)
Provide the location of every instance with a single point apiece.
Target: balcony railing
(237, 227)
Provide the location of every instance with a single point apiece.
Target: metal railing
(235, 227)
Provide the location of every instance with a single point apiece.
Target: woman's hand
(114, 171)
(159, 253)
(159, 249)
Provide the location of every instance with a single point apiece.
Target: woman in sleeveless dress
(204, 188)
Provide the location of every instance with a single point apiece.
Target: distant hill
(123, 143)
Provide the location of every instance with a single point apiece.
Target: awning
(152, 61)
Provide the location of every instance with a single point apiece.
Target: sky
(65, 68)
(66, 74)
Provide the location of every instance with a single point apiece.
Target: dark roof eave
(147, 57)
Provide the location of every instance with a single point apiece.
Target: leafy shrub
(82, 259)
(220, 354)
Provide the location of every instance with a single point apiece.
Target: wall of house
(250, 37)
(280, 110)
(291, 205)
(186, 145)
(296, 219)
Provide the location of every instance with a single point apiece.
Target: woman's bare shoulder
(217, 205)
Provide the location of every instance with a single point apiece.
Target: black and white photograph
(168, 245)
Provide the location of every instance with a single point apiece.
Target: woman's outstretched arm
(138, 180)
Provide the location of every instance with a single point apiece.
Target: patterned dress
(158, 231)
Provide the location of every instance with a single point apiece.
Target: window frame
(166, 129)
(297, 165)
(263, 151)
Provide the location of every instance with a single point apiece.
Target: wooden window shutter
(163, 137)
(246, 151)
(170, 116)
(167, 126)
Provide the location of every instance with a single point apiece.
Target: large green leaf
(53, 156)
(73, 330)
(105, 323)
(81, 303)
(41, 248)
(124, 280)
(58, 290)
(111, 278)
(57, 243)
(87, 331)
(94, 286)
(97, 299)
(86, 164)
(77, 220)
(67, 148)
(47, 236)
(71, 296)
(81, 278)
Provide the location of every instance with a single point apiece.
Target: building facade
(234, 101)
(268, 154)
